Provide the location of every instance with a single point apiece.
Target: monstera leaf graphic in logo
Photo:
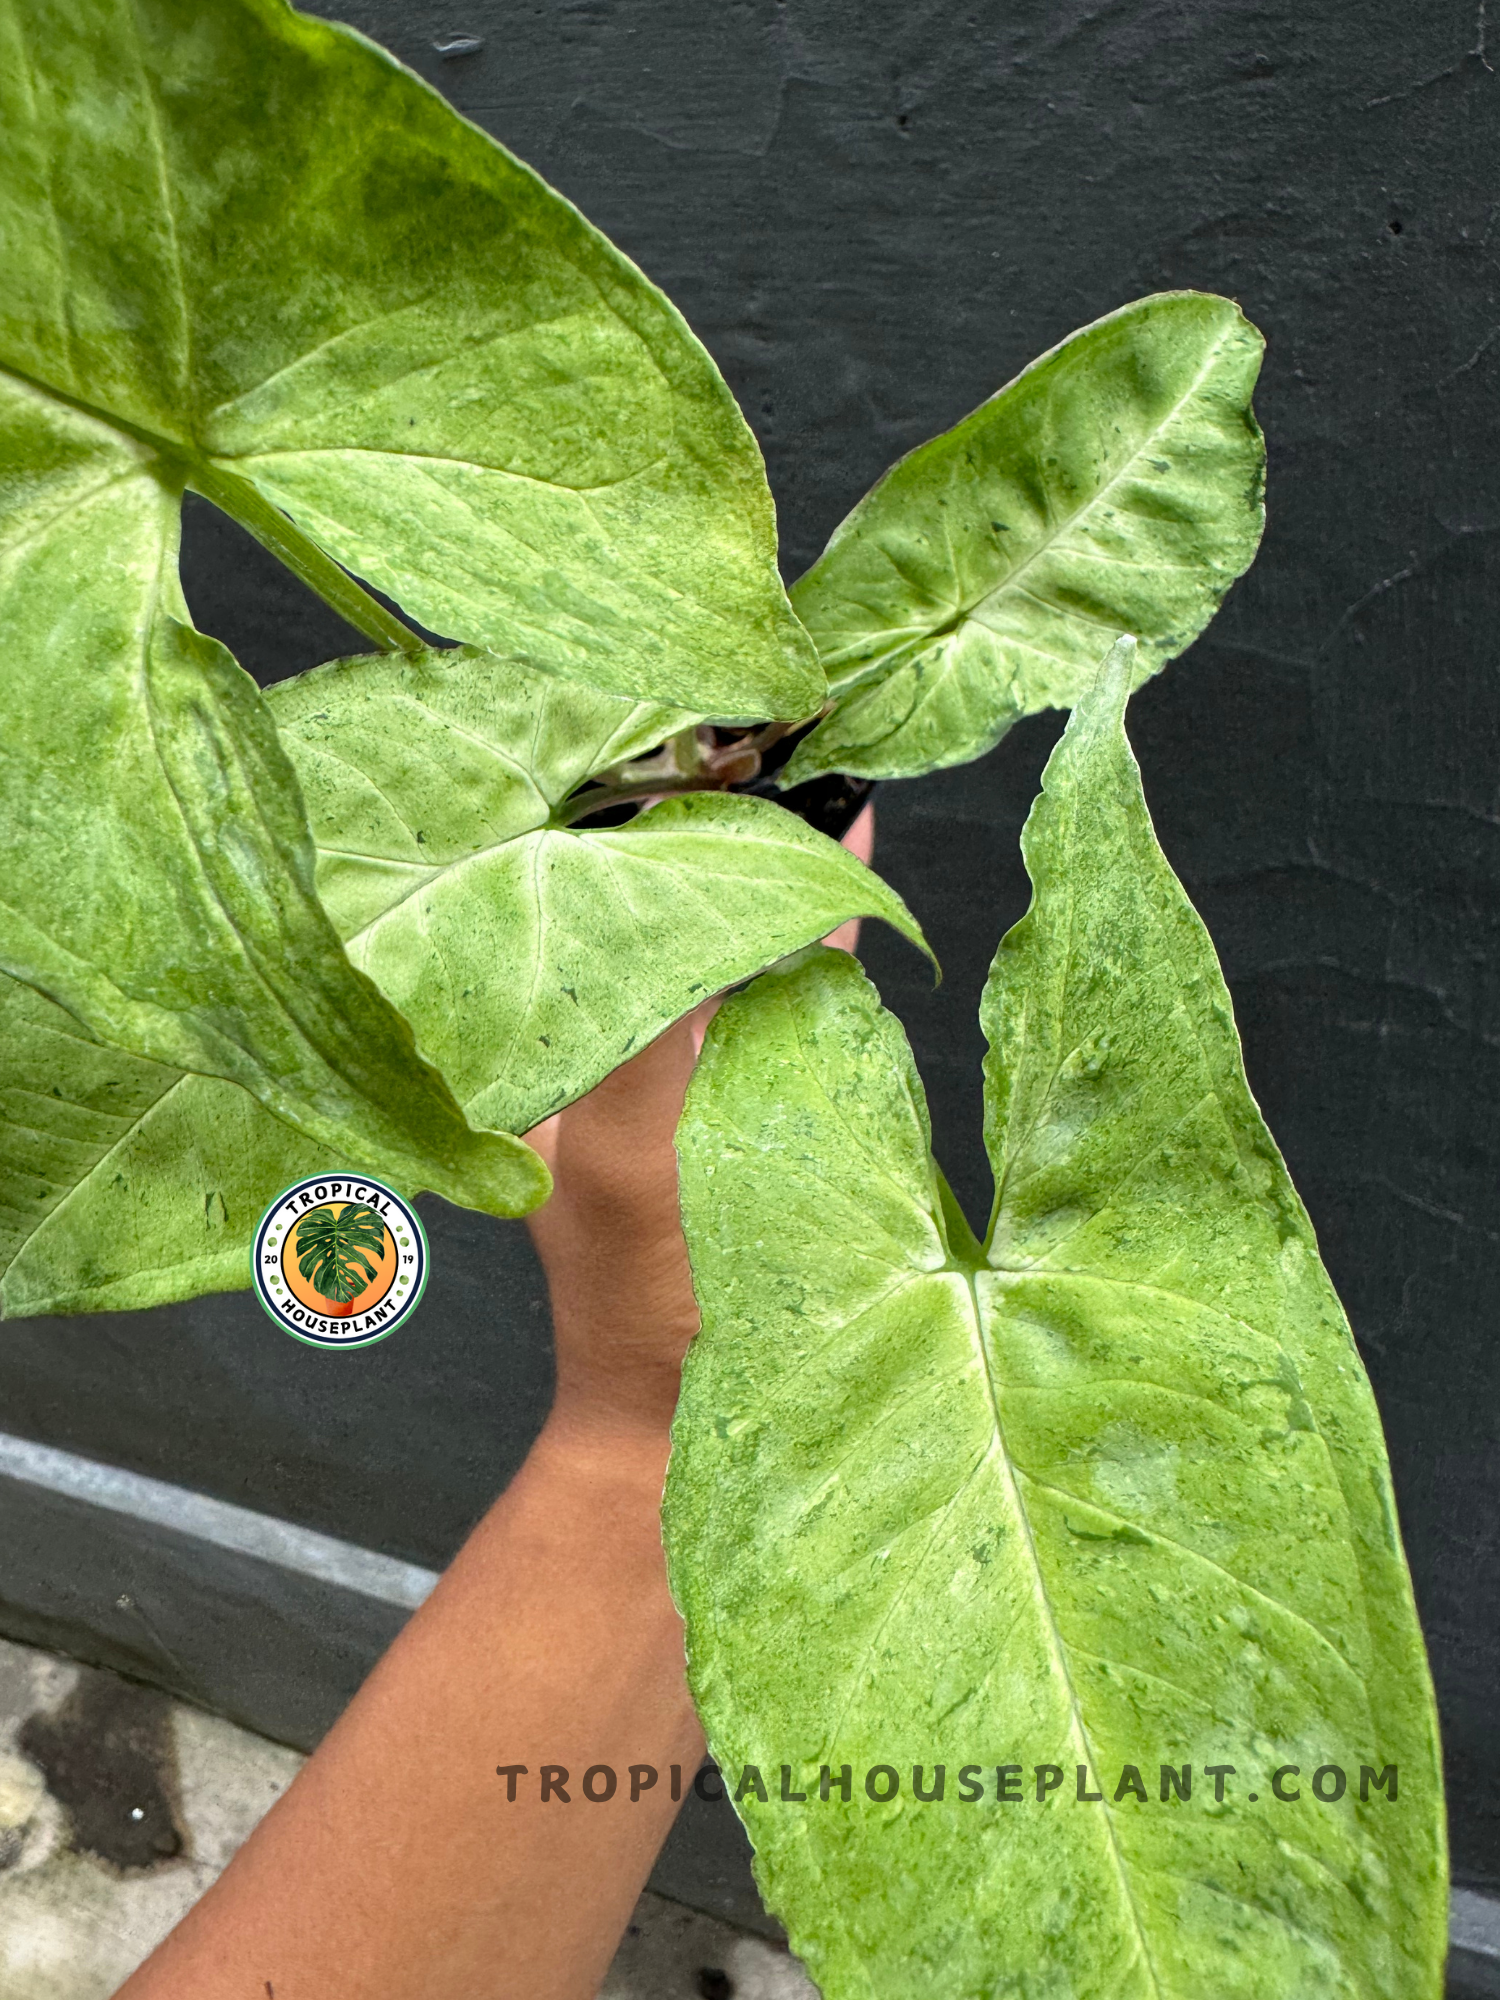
(331, 1249)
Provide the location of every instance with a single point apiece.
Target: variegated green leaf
(1114, 486)
(531, 957)
(1101, 1499)
(253, 242)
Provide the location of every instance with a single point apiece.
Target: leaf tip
(1115, 680)
(1099, 714)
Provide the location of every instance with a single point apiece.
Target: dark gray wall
(874, 213)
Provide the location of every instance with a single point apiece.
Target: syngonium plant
(393, 912)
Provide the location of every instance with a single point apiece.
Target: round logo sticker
(339, 1262)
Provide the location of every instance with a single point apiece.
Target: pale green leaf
(530, 958)
(1115, 486)
(124, 1183)
(159, 873)
(1110, 1496)
(256, 242)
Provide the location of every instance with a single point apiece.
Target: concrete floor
(118, 1807)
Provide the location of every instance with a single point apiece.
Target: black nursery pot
(831, 804)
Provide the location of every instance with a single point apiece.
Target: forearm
(397, 1863)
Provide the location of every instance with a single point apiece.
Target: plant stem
(687, 752)
(302, 556)
(581, 804)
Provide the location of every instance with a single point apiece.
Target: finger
(860, 841)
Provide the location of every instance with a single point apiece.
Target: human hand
(611, 1244)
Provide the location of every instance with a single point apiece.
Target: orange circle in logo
(384, 1265)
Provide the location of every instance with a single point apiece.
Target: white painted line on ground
(1474, 1923)
(218, 1522)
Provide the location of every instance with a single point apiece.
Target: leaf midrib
(174, 450)
(925, 635)
(1059, 1651)
(601, 840)
(181, 462)
(168, 205)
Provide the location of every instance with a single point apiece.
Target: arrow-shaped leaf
(257, 244)
(530, 956)
(1101, 1500)
(245, 250)
(1114, 486)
